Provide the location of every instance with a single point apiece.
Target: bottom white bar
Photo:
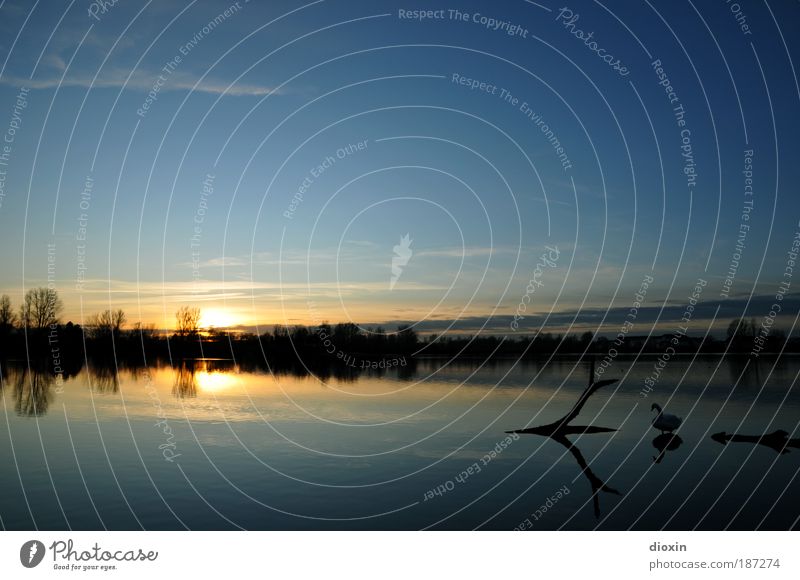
(401, 555)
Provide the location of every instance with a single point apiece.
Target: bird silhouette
(665, 422)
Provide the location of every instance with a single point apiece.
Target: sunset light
(215, 381)
(361, 266)
(217, 318)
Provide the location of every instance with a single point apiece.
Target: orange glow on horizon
(218, 318)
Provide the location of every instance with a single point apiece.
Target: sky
(264, 160)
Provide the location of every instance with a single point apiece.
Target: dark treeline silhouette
(35, 331)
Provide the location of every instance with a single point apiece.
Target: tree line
(35, 328)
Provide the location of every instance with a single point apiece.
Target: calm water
(215, 447)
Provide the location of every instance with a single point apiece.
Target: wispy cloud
(222, 261)
(176, 291)
(659, 319)
(467, 252)
(139, 80)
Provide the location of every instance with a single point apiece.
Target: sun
(216, 318)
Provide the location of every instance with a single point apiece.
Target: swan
(665, 422)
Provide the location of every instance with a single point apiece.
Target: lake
(213, 445)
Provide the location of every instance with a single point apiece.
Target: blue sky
(270, 91)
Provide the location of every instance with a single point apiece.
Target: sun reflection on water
(216, 381)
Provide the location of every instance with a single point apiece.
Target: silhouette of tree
(7, 316)
(406, 338)
(106, 323)
(7, 320)
(41, 308)
(146, 332)
(346, 334)
(741, 328)
(187, 320)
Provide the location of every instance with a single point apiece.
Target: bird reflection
(558, 431)
(666, 442)
(778, 440)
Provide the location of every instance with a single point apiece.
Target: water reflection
(104, 379)
(373, 443)
(744, 371)
(215, 381)
(597, 483)
(558, 431)
(205, 375)
(32, 392)
(666, 442)
(185, 384)
(778, 440)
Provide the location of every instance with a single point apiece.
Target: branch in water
(561, 426)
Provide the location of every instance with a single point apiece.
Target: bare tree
(145, 331)
(7, 316)
(740, 329)
(107, 322)
(40, 308)
(187, 320)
